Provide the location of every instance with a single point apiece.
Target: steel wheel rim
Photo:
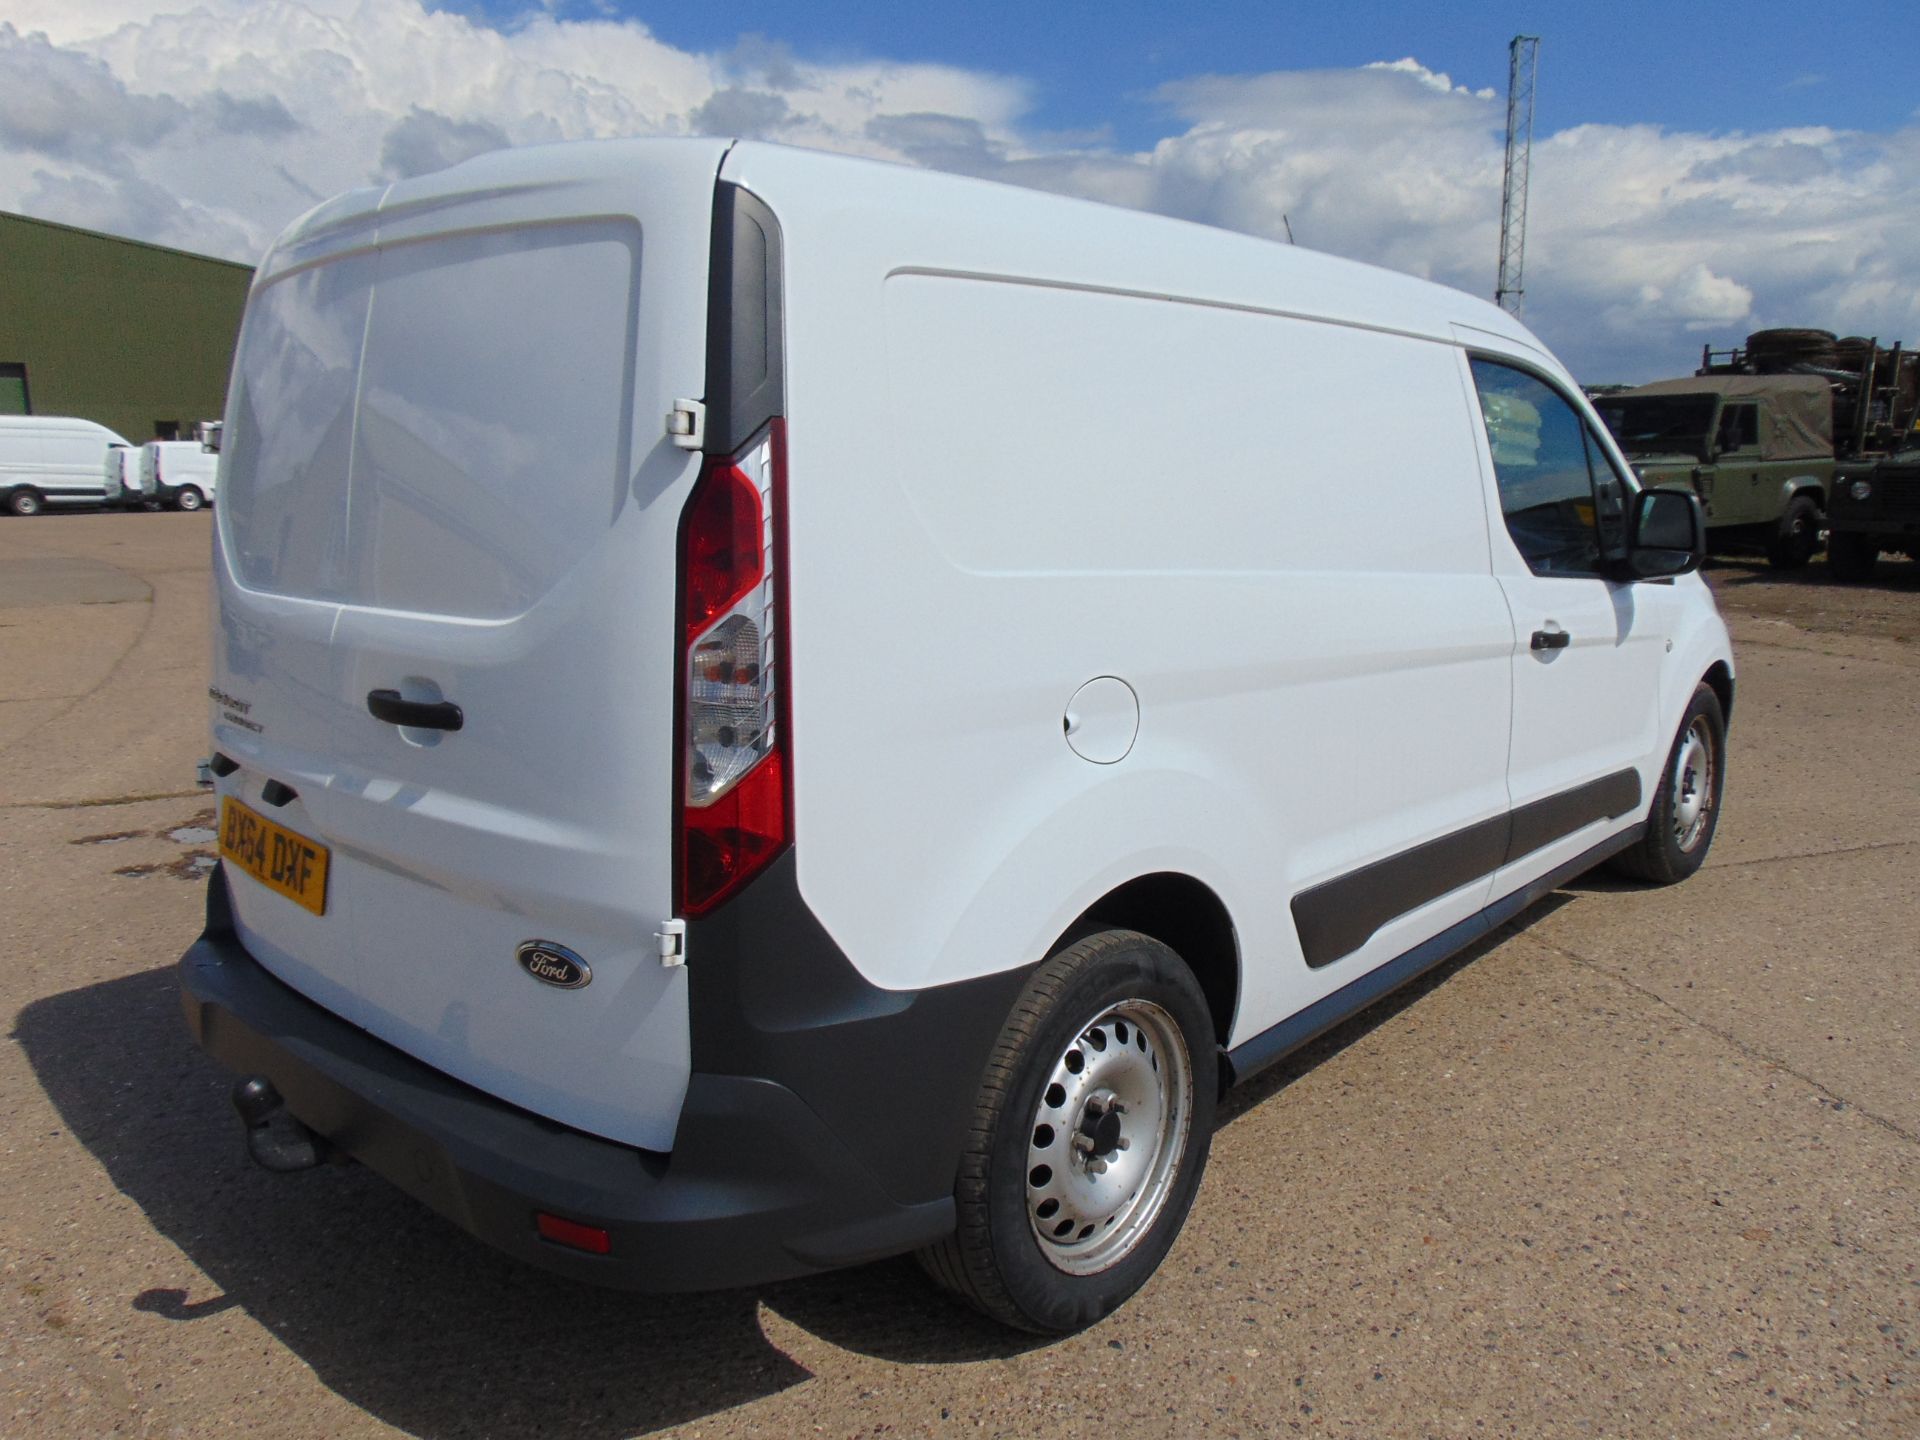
(1693, 785)
(1107, 1135)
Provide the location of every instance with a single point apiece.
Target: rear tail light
(734, 796)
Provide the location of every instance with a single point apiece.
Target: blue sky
(1762, 64)
(1699, 171)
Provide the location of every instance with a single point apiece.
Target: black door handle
(388, 705)
(1551, 639)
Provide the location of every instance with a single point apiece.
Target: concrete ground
(1646, 1163)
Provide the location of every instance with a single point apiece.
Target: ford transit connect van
(773, 710)
(179, 474)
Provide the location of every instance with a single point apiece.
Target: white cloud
(210, 123)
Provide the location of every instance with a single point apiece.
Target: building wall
(130, 335)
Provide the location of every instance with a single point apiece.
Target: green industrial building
(136, 337)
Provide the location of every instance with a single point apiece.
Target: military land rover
(1876, 507)
(1758, 430)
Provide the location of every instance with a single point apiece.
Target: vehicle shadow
(426, 1329)
(397, 1310)
(1739, 572)
(1317, 1052)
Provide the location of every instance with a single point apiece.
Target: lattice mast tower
(1523, 66)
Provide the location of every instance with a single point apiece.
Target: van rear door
(449, 492)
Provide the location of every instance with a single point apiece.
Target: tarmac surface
(1645, 1163)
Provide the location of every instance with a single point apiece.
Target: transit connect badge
(553, 964)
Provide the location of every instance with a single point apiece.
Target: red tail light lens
(722, 543)
(734, 793)
(572, 1234)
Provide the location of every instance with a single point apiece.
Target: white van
(52, 460)
(179, 474)
(121, 474)
(833, 709)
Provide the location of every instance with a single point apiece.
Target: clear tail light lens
(735, 806)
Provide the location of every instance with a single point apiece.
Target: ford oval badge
(553, 964)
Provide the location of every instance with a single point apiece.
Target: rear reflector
(572, 1234)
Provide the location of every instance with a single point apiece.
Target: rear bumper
(756, 1187)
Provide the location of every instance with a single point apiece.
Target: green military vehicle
(1759, 431)
(1876, 507)
(1875, 503)
(1756, 449)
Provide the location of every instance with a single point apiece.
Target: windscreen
(285, 510)
(438, 427)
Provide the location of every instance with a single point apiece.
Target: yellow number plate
(274, 855)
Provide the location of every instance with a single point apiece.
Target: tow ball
(276, 1140)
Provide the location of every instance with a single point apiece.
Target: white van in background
(122, 475)
(52, 460)
(181, 474)
(841, 728)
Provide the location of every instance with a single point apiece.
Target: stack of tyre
(1778, 352)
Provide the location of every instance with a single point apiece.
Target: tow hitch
(276, 1140)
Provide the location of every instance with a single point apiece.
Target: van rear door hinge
(687, 424)
(672, 936)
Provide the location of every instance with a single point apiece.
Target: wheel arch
(1719, 678)
(1795, 486)
(1186, 916)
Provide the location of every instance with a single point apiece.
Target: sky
(1698, 171)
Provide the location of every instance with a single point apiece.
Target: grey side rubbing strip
(1273, 1045)
(1335, 918)
(1544, 821)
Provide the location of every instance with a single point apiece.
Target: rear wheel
(1091, 1132)
(1852, 557)
(25, 502)
(1686, 806)
(189, 499)
(1797, 536)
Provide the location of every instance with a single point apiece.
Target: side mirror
(1666, 535)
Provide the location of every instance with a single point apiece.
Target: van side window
(1541, 460)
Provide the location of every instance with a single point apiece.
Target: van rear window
(440, 427)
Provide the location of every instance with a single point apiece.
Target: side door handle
(388, 705)
(1551, 639)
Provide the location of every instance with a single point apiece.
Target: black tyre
(1686, 806)
(1089, 1138)
(189, 499)
(1852, 557)
(1797, 536)
(25, 502)
(1770, 350)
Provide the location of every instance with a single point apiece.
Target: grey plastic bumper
(756, 1187)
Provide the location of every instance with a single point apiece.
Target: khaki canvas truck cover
(1796, 423)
